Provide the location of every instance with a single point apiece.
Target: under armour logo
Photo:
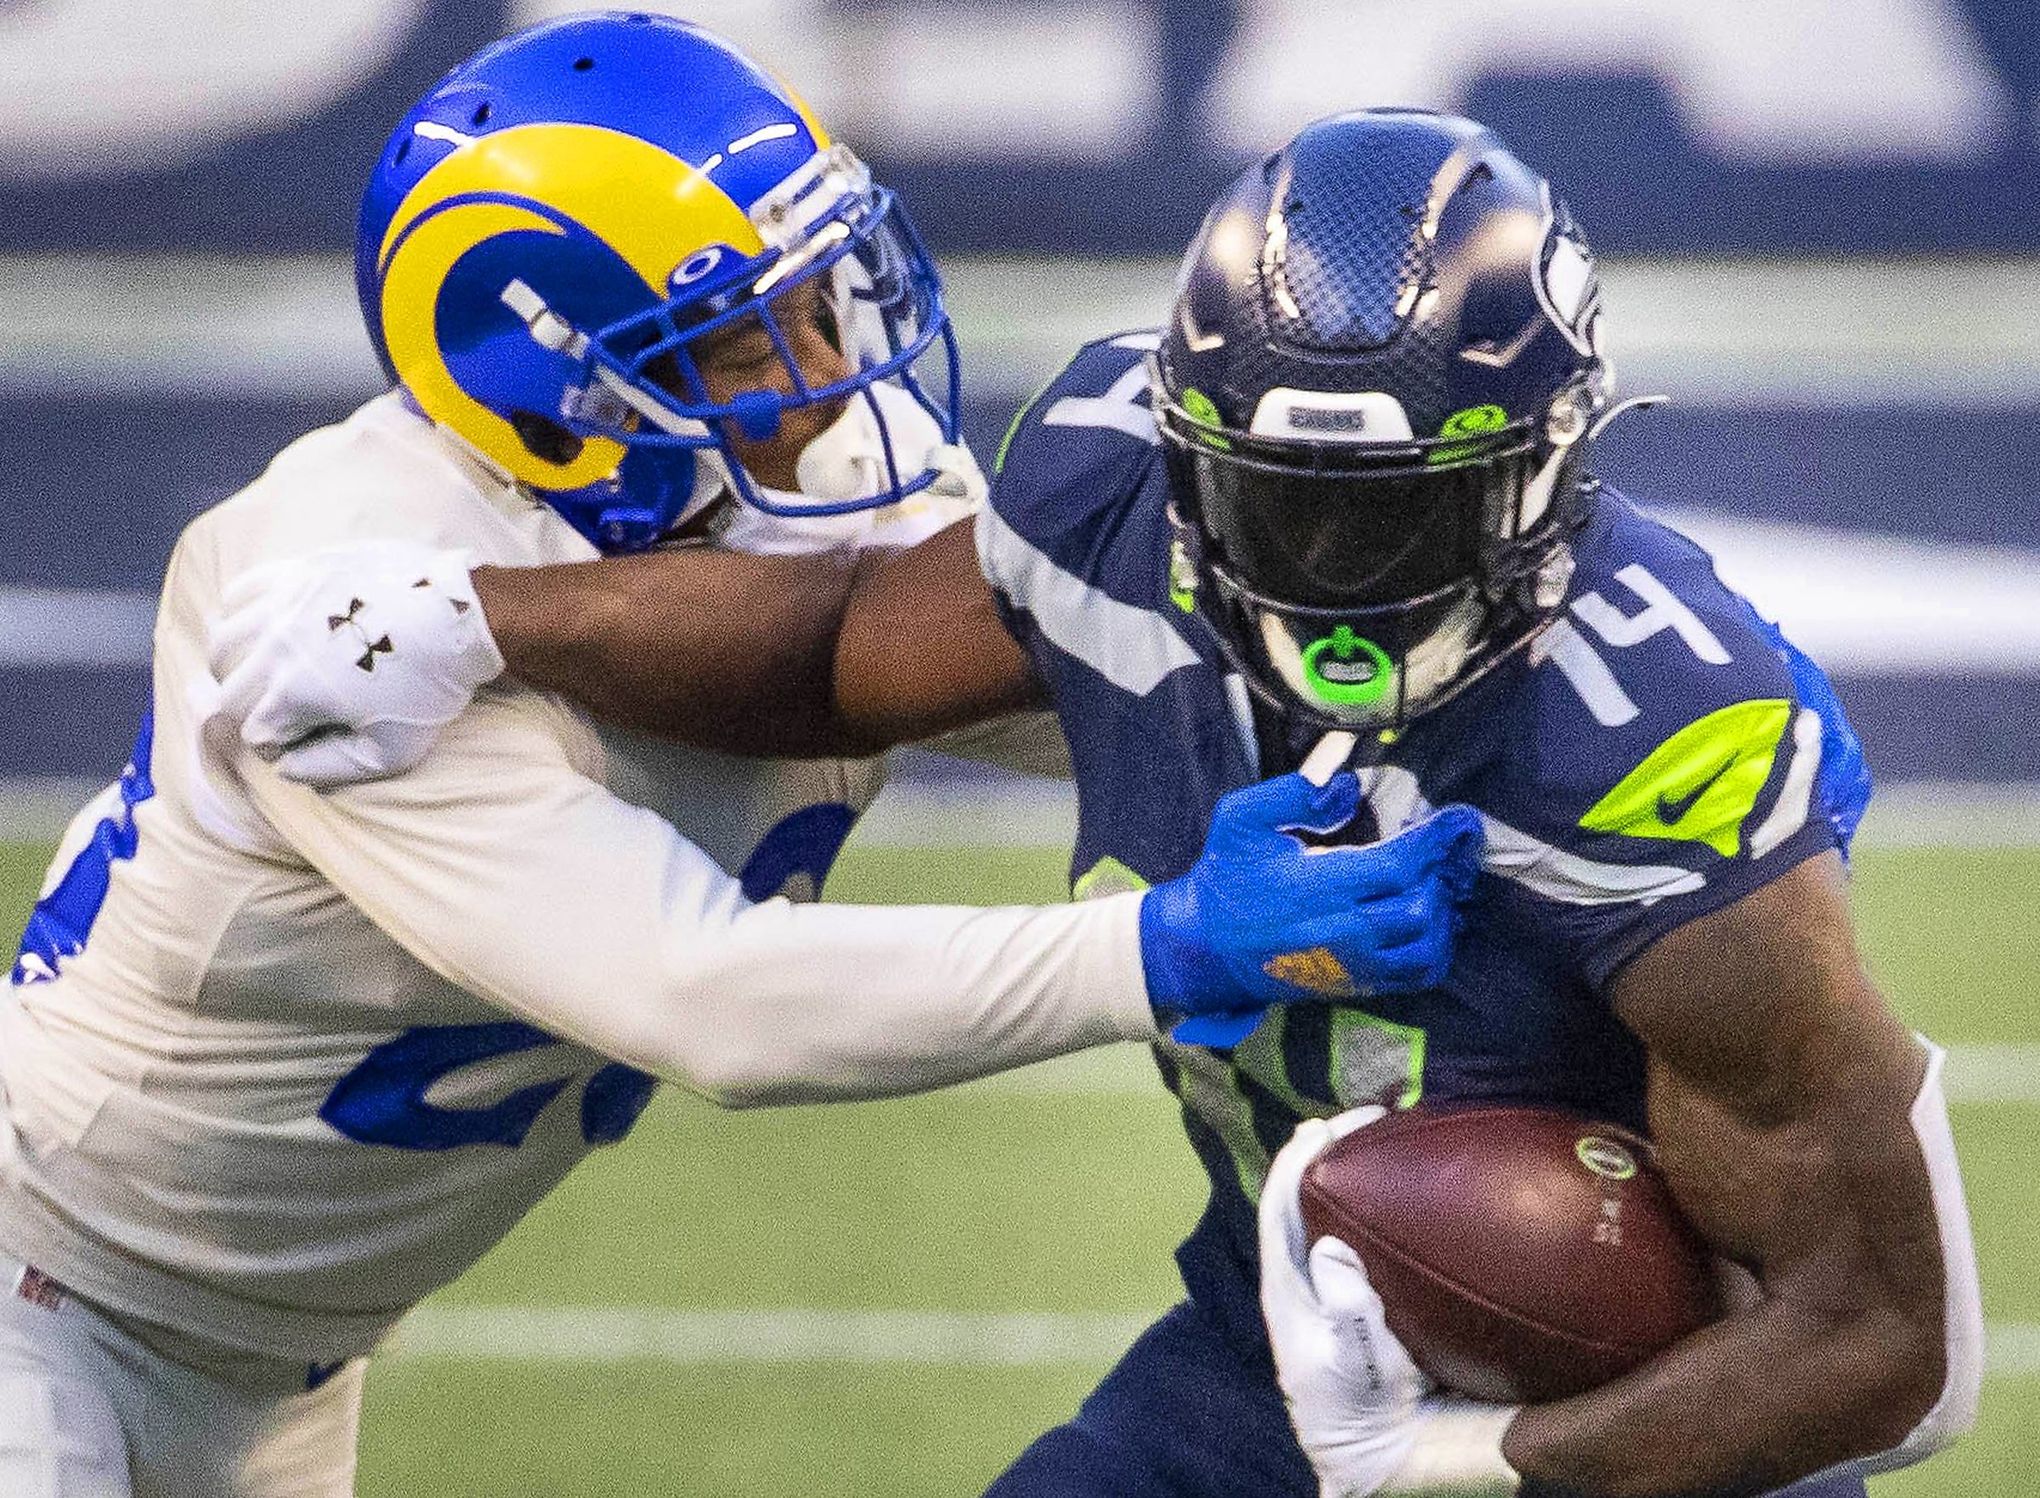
(370, 648)
(460, 605)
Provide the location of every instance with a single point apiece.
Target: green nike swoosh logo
(1737, 743)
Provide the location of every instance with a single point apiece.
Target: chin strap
(1290, 709)
(1634, 403)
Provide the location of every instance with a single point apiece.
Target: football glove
(346, 666)
(1366, 1416)
(1262, 919)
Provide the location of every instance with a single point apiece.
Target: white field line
(1977, 1074)
(2005, 1073)
(618, 1334)
(929, 1339)
(1952, 330)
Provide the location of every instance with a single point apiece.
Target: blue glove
(1845, 783)
(1262, 920)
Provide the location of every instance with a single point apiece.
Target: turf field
(892, 1298)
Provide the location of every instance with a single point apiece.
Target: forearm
(1838, 1357)
(724, 650)
(825, 1003)
(831, 654)
(1744, 1407)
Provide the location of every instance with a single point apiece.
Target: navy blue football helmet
(1375, 396)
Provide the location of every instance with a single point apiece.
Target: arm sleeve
(1954, 1412)
(521, 880)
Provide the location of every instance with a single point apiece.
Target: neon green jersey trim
(1013, 426)
(1361, 1044)
(1108, 876)
(1368, 1060)
(1701, 784)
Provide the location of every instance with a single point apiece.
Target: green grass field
(1015, 1198)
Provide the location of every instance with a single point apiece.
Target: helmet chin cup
(882, 432)
(1340, 670)
(1337, 670)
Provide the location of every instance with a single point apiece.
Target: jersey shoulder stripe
(1656, 707)
(1078, 453)
(1075, 538)
(1657, 746)
(1131, 647)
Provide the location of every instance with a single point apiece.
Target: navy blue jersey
(1645, 761)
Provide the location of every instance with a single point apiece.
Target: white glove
(345, 666)
(1367, 1417)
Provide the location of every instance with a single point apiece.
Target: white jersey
(278, 1063)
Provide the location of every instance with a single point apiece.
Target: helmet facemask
(827, 230)
(1362, 584)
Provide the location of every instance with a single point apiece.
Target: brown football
(1521, 1254)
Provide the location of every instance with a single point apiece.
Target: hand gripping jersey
(278, 1063)
(1643, 763)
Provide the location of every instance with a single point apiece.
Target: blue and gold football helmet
(1376, 395)
(551, 232)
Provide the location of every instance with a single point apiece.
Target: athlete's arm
(1801, 1128)
(512, 874)
(505, 867)
(783, 656)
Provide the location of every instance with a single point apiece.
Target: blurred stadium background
(1820, 223)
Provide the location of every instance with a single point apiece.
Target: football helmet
(553, 230)
(1375, 396)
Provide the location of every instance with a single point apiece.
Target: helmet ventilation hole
(545, 438)
(481, 114)
(583, 64)
(403, 150)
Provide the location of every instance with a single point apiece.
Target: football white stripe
(793, 1335)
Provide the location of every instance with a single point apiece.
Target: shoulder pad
(1083, 440)
(1071, 472)
(1662, 719)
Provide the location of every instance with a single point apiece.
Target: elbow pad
(1955, 1410)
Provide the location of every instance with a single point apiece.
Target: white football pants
(89, 1411)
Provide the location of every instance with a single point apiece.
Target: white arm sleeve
(1955, 1411)
(524, 882)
